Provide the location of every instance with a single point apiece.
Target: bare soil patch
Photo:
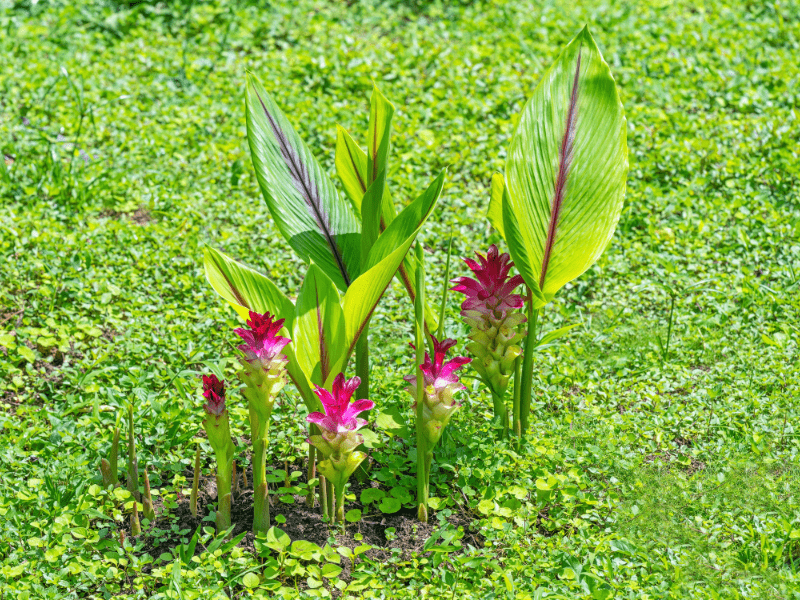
(306, 523)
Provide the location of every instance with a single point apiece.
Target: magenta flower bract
(341, 416)
(438, 374)
(339, 435)
(217, 427)
(490, 308)
(262, 342)
(441, 382)
(491, 293)
(214, 393)
(264, 367)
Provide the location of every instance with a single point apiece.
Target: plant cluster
(557, 207)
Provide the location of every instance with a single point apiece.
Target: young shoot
(217, 428)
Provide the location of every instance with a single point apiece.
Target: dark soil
(305, 523)
(141, 216)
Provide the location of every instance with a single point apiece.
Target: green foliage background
(650, 474)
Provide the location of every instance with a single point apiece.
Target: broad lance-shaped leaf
(385, 257)
(318, 333)
(566, 170)
(371, 214)
(351, 166)
(319, 225)
(379, 134)
(246, 289)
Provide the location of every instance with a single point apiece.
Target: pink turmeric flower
(441, 382)
(339, 426)
(216, 422)
(262, 342)
(264, 367)
(437, 374)
(341, 416)
(491, 293)
(490, 308)
(214, 393)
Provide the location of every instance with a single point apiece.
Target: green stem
(422, 450)
(445, 288)
(259, 424)
(258, 432)
(311, 473)
(500, 413)
(527, 365)
(362, 363)
(260, 489)
(517, 431)
(422, 479)
(339, 513)
(133, 464)
(362, 371)
(428, 460)
(195, 482)
(323, 495)
(114, 457)
(224, 475)
(330, 500)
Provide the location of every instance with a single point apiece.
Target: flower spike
(264, 367)
(264, 376)
(490, 308)
(340, 415)
(217, 428)
(339, 436)
(441, 382)
(214, 393)
(491, 292)
(262, 342)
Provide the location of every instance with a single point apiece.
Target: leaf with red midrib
(565, 158)
(319, 225)
(318, 332)
(565, 171)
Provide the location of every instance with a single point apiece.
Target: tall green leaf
(385, 257)
(351, 167)
(319, 225)
(318, 332)
(246, 289)
(381, 112)
(566, 170)
(371, 214)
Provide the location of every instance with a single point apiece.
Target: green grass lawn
(657, 466)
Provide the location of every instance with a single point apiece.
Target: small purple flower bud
(214, 393)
